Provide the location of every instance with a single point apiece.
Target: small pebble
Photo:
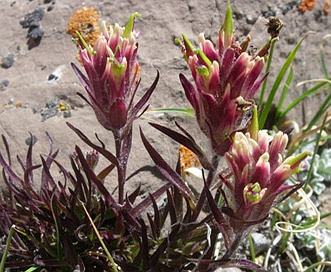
(261, 242)
(32, 19)
(4, 83)
(31, 140)
(269, 13)
(250, 20)
(53, 77)
(36, 33)
(8, 61)
(32, 22)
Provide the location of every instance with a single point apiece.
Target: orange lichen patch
(19, 104)
(307, 5)
(86, 22)
(326, 8)
(187, 158)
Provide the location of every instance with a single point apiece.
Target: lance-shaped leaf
(167, 171)
(187, 142)
(100, 149)
(142, 102)
(103, 190)
(221, 222)
(238, 263)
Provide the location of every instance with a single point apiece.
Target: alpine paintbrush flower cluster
(226, 78)
(112, 75)
(111, 84)
(258, 175)
(79, 224)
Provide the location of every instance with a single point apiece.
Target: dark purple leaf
(142, 102)
(82, 78)
(187, 142)
(172, 209)
(11, 174)
(164, 245)
(101, 150)
(166, 170)
(155, 223)
(143, 205)
(132, 197)
(144, 248)
(222, 224)
(98, 183)
(239, 263)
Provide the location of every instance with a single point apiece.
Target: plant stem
(209, 180)
(236, 242)
(123, 143)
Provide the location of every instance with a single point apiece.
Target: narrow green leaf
(187, 111)
(57, 229)
(269, 61)
(275, 87)
(86, 46)
(34, 240)
(203, 71)
(31, 269)
(129, 25)
(324, 107)
(296, 101)
(6, 251)
(189, 48)
(228, 26)
(110, 258)
(311, 168)
(205, 59)
(322, 52)
(284, 94)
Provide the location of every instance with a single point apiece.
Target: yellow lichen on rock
(86, 22)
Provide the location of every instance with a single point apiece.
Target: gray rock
(8, 61)
(261, 242)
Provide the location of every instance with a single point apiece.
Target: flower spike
(257, 178)
(226, 79)
(112, 77)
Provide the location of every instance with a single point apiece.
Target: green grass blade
(324, 107)
(31, 269)
(275, 87)
(284, 94)
(186, 111)
(324, 66)
(34, 240)
(318, 139)
(251, 248)
(313, 266)
(269, 60)
(57, 230)
(6, 251)
(296, 101)
(110, 258)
